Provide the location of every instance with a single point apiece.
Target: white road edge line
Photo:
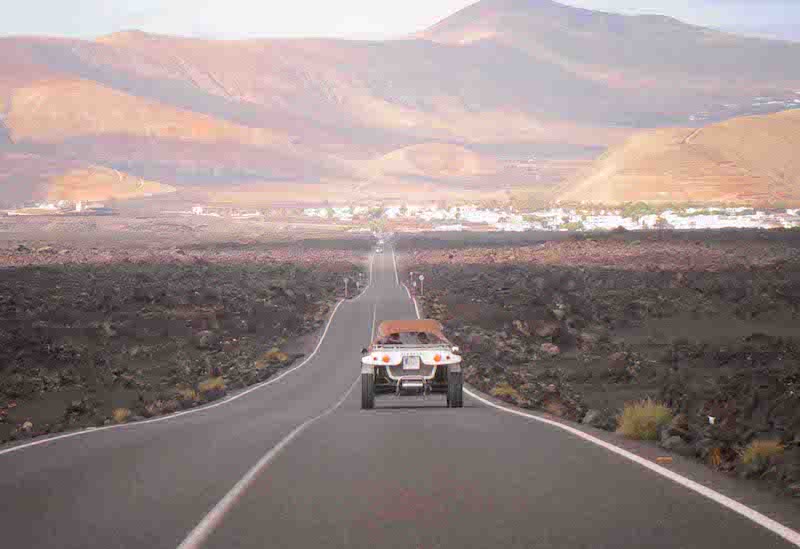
(764, 521)
(369, 283)
(213, 518)
(396, 276)
(92, 430)
(775, 527)
(374, 313)
(414, 301)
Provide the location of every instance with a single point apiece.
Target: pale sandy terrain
(744, 160)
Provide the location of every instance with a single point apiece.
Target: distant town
(630, 217)
(62, 207)
(475, 217)
(759, 105)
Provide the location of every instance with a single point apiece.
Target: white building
(393, 212)
(315, 212)
(480, 216)
(514, 226)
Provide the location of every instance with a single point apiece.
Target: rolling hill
(744, 160)
(434, 160)
(98, 183)
(517, 77)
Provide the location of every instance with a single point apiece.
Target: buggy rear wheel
(455, 390)
(367, 391)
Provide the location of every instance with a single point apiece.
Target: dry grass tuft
(761, 451)
(187, 397)
(275, 356)
(505, 390)
(187, 394)
(212, 388)
(641, 420)
(211, 384)
(121, 415)
(715, 457)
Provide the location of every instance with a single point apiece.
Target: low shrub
(276, 356)
(187, 397)
(505, 391)
(121, 415)
(211, 389)
(641, 420)
(759, 451)
(187, 394)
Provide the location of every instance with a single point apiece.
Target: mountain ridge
(320, 110)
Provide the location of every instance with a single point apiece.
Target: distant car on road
(379, 250)
(411, 357)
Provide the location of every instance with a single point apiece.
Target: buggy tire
(455, 390)
(367, 391)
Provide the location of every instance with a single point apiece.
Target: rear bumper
(387, 381)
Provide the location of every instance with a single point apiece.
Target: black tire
(367, 391)
(455, 390)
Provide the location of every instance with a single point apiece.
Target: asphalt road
(411, 473)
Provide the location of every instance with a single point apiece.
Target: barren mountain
(433, 160)
(744, 160)
(54, 110)
(98, 183)
(625, 52)
(516, 76)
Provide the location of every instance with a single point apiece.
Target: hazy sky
(341, 18)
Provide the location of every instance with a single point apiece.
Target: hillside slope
(56, 110)
(615, 48)
(743, 160)
(508, 75)
(433, 160)
(98, 183)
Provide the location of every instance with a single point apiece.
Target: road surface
(296, 463)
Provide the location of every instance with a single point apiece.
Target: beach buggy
(411, 357)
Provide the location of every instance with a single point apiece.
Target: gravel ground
(87, 330)
(578, 328)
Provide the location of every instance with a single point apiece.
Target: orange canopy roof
(405, 326)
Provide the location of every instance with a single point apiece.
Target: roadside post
(346, 282)
(422, 285)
